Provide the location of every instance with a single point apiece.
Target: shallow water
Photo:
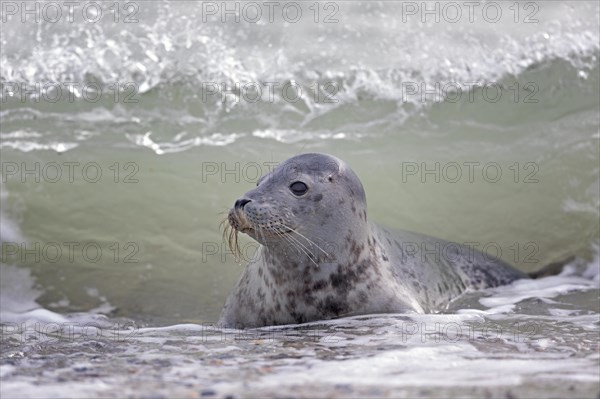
(139, 247)
(543, 344)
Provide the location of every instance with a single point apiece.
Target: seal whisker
(288, 239)
(261, 232)
(298, 245)
(230, 236)
(306, 238)
(225, 226)
(293, 242)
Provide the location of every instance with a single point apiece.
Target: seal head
(301, 205)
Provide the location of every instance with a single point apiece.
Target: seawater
(123, 143)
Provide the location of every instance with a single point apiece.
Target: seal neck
(296, 258)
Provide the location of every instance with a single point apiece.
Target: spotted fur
(321, 258)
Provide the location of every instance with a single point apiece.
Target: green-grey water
(509, 164)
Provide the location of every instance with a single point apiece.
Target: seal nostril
(239, 204)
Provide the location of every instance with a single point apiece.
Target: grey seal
(321, 258)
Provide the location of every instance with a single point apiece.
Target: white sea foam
(503, 298)
(9, 227)
(215, 139)
(528, 339)
(27, 146)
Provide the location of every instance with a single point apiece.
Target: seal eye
(298, 188)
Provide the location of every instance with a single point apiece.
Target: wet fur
(321, 258)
